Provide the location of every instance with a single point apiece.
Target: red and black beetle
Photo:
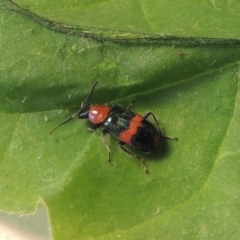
(130, 128)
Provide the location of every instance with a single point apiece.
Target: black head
(83, 111)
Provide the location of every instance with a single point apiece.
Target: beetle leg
(131, 105)
(170, 138)
(120, 144)
(150, 113)
(94, 127)
(167, 137)
(104, 133)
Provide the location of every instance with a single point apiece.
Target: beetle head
(83, 111)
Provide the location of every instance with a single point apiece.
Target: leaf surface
(192, 190)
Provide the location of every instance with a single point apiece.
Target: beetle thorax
(98, 113)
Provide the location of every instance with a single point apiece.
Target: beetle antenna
(90, 94)
(75, 114)
(59, 125)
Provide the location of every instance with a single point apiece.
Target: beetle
(128, 127)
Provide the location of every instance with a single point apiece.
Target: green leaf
(192, 190)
